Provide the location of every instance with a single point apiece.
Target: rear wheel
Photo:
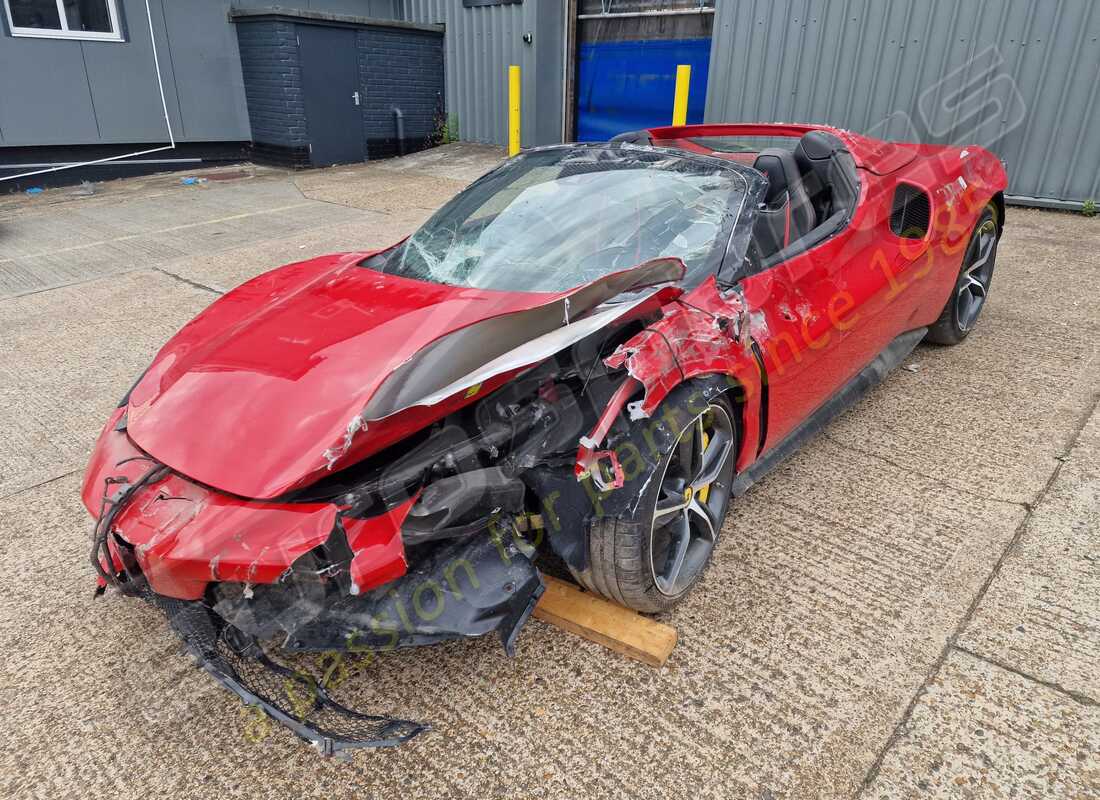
(651, 557)
(967, 299)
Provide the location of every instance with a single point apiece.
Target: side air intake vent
(910, 213)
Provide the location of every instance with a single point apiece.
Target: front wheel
(967, 299)
(651, 556)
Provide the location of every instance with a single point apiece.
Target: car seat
(787, 213)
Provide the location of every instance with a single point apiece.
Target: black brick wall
(273, 89)
(397, 68)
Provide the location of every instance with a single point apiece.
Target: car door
(801, 316)
(822, 315)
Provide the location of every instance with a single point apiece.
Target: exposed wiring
(671, 350)
(134, 458)
(685, 303)
(592, 369)
(108, 512)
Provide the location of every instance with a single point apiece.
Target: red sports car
(582, 358)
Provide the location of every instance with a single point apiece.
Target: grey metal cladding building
(79, 80)
(485, 37)
(75, 89)
(101, 88)
(1018, 76)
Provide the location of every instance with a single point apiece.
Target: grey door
(331, 91)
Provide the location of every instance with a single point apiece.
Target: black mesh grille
(910, 213)
(291, 697)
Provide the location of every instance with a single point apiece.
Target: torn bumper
(243, 580)
(464, 589)
(456, 589)
(293, 698)
(183, 536)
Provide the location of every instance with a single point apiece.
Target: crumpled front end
(245, 582)
(416, 520)
(181, 536)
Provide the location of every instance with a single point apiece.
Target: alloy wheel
(691, 501)
(977, 272)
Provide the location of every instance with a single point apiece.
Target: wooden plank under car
(620, 629)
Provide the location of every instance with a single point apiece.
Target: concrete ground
(909, 607)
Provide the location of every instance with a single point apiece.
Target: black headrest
(778, 164)
(815, 149)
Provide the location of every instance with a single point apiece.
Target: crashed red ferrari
(583, 358)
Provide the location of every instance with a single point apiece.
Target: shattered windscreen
(556, 218)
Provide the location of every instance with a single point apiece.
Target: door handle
(355, 97)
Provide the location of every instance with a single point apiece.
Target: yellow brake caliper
(704, 491)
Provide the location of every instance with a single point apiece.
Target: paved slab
(1041, 614)
(983, 731)
(818, 659)
(461, 161)
(376, 187)
(1013, 710)
(226, 269)
(71, 243)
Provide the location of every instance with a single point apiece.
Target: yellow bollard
(513, 110)
(680, 104)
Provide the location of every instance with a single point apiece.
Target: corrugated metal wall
(481, 43)
(1018, 77)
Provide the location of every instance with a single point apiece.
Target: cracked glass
(557, 218)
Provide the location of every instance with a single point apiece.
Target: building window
(64, 19)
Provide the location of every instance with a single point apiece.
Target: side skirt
(869, 377)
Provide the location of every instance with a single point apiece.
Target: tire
(631, 554)
(967, 299)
